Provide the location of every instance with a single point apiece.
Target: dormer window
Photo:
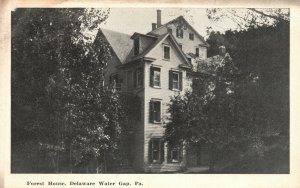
(169, 30)
(136, 44)
(167, 52)
(191, 36)
(179, 32)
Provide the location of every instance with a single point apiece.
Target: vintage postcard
(147, 94)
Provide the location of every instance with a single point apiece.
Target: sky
(130, 20)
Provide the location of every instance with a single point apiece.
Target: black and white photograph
(159, 90)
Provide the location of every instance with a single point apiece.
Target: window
(155, 111)
(179, 32)
(169, 30)
(197, 52)
(191, 36)
(155, 77)
(136, 46)
(115, 81)
(180, 46)
(175, 80)
(174, 154)
(189, 59)
(138, 78)
(156, 80)
(166, 52)
(156, 150)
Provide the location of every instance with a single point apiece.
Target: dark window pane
(179, 32)
(191, 36)
(197, 52)
(156, 111)
(166, 52)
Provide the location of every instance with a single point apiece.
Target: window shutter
(162, 157)
(170, 79)
(134, 78)
(151, 111)
(180, 81)
(151, 76)
(150, 151)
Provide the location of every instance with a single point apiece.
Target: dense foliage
(63, 118)
(242, 108)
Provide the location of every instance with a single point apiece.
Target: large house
(153, 67)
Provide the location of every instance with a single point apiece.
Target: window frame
(171, 80)
(159, 150)
(115, 81)
(155, 69)
(179, 32)
(197, 54)
(191, 36)
(170, 155)
(178, 80)
(154, 113)
(164, 54)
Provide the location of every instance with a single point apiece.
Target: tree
(206, 113)
(61, 113)
(250, 17)
(262, 91)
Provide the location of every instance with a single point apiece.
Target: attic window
(136, 46)
(179, 32)
(167, 52)
(191, 36)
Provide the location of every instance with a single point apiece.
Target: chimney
(153, 26)
(158, 18)
(222, 50)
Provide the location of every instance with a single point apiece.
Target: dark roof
(143, 35)
(121, 43)
(176, 19)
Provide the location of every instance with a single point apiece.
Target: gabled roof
(157, 42)
(181, 18)
(146, 51)
(120, 43)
